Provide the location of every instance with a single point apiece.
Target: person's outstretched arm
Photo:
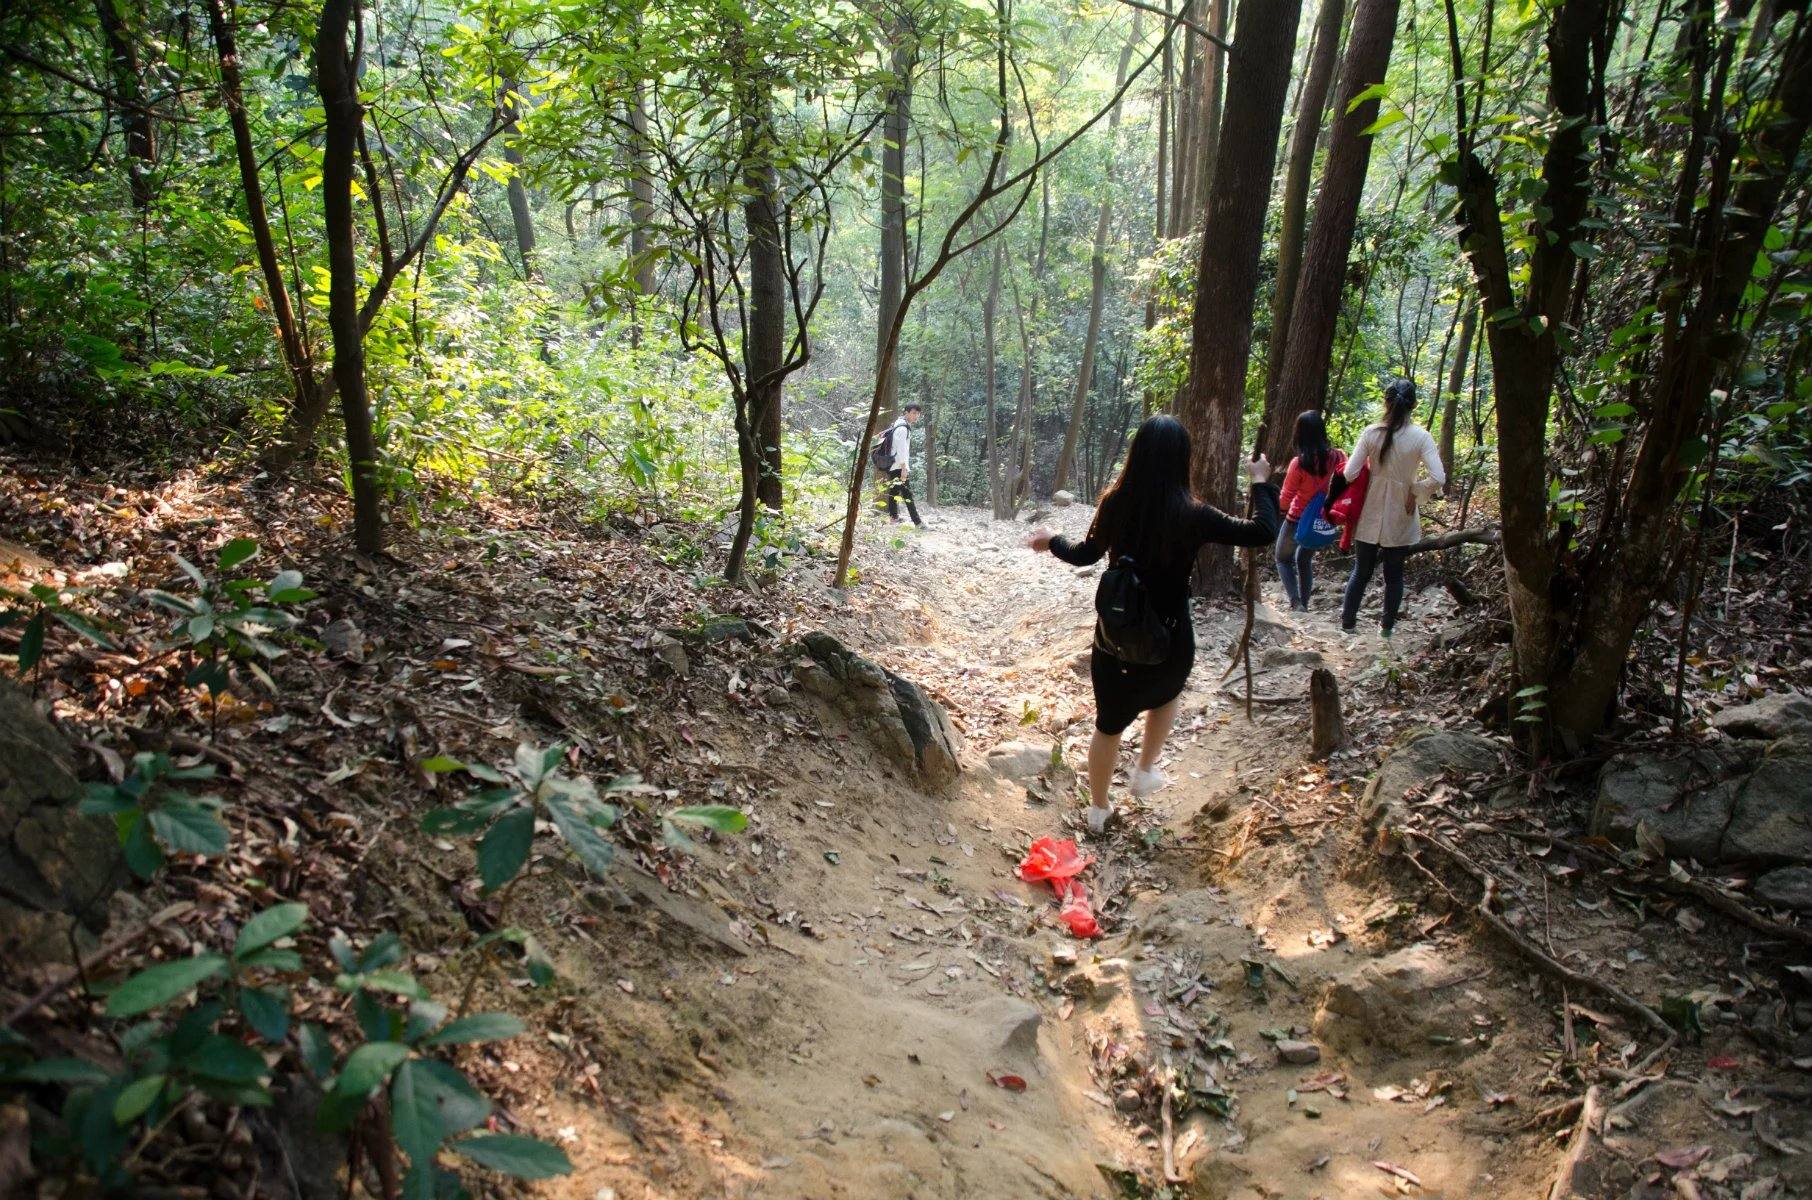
(1077, 554)
(1213, 525)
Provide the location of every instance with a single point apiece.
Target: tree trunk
(1301, 377)
(1161, 217)
(1212, 403)
(128, 84)
(297, 358)
(641, 209)
(1213, 78)
(336, 79)
(1299, 165)
(764, 342)
(520, 216)
(1327, 728)
(1185, 114)
(1097, 295)
(893, 131)
(990, 378)
(1469, 316)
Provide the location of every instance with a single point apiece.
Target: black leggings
(897, 490)
(1363, 565)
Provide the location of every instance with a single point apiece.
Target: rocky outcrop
(57, 869)
(1728, 802)
(908, 725)
(1780, 715)
(1420, 759)
(1786, 887)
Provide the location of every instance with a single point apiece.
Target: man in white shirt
(900, 448)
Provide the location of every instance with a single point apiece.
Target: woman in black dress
(1150, 516)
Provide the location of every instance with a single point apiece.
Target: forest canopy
(691, 258)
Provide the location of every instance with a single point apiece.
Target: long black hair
(1312, 446)
(1139, 513)
(1399, 407)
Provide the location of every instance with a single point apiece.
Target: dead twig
(52, 990)
(1591, 1110)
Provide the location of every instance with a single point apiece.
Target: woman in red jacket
(1315, 463)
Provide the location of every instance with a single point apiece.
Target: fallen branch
(1488, 536)
(1590, 1113)
(1714, 898)
(58, 986)
(1534, 953)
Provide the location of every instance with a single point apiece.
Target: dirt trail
(909, 967)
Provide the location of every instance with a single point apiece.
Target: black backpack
(1127, 623)
(881, 451)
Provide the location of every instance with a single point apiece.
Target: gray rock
(907, 724)
(1283, 656)
(1012, 1026)
(719, 627)
(344, 641)
(1301, 1053)
(57, 868)
(1772, 818)
(1786, 887)
(1020, 760)
(1421, 758)
(1687, 800)
(672, 652)
(1062, 499)
(1773, 716)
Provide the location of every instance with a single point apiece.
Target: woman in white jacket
(1389, 524)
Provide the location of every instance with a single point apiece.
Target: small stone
(1020, 760)
(1300, 1053)
(672, 653)
(1129, 1101)
(1062, 499)
(1064, 956)
(344, 641)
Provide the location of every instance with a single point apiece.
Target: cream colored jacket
(1390, 516)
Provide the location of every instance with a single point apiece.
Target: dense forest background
(689, 258)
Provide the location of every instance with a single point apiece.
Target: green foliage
(153, 817)
(37, 607)
(230, 624)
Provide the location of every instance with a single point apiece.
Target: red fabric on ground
(1054, 860)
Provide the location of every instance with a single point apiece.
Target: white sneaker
(1097, 818)
(1144, 783)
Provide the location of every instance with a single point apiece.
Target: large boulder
(1771, 717)
(1684, 799)
(1420, 759)
(1786, 887)
(908, 725)
(1771, 821)
(57, 869)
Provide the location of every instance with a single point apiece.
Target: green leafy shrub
(234, 622)
(152, 817)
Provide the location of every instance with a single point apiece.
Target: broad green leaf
(505, 847)
(441, 764)
(430, 1102)
(83, 626)
(190, 826)
(136, 1097)
(58, 1070)
(1384, 121)
(479, 1027)
(513, 1154)
(266, 1011)
(156, 986)
(236, 552)
(721, 817)
(275, 922)
(141, 850)
(31, 643)
(367, 1067)
(1377, 91)
(316, 1048)
(591, 847)
(227, 1060)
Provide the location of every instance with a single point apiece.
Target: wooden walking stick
(1243, 652)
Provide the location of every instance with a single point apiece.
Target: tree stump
(1327, 729)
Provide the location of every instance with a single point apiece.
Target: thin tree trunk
(893, 133)
(990, 376)
(296, 356)
(1160, 223)
(764, 346)
(1450, 412)
(1212, 403)
(1185, 113)
(1299, 165)
(641, 209)
(1315, 313)
(336, 79)
(520, 216)
(1097, 283)
(1214, 78)
(128, 84)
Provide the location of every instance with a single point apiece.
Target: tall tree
(521, 219)
(893, 132)
(1299, 165)
(1309, 345)
(1212, 403)
(1469, 316)
(127, 80)
(1097, 293)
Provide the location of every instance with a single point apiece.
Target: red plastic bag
(1077, 913)
(1345, 511)
(1054, 860)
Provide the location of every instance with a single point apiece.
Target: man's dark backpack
(1127, 623)
(881, 450)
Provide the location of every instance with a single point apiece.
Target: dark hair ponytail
(1312, 446)
(1399, 407)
